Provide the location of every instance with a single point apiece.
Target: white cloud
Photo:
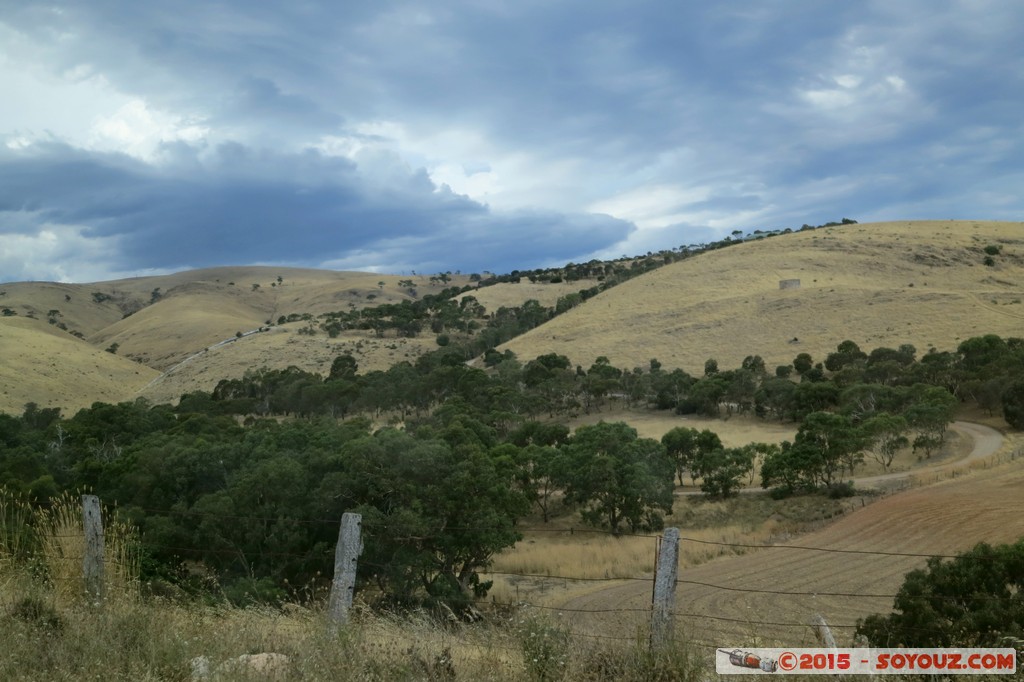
(848, 80)
(59, 253)
(138, 130)
(653, 206)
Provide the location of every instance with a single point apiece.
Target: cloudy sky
(148, 137)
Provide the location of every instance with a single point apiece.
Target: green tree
(617, 478)
(826, 444)
(539, 467)
(974, 600)
(838, 441)
(434, 515)
(722, 470)
(930, 414)
(1013, 404)
(681, 445)
(344, 366)
(803, 363)
(847, 353)
(886, 435)
(791, 468)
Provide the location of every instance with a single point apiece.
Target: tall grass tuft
(61, 538)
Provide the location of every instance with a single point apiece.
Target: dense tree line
(223, 479)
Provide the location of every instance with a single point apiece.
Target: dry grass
(59, 529)
(158, 641)
(880, 284)
(734, 432)
(58, 370)
(195, 311)
(555, 561)
(280, 347)
(508, 294)
(48, 631)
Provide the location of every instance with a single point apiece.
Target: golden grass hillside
(277, 348)
(159, 322)
(54, 369)
(510, 294)
(883, 284)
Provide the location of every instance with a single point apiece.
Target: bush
(443, 340)
(840, 490)
(1013, 404)
(993, 249)
(38, 613)
(545, 647)
(989, 261)
(972, 600)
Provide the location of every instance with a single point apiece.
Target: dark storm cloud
(247, 206)
(753, 115)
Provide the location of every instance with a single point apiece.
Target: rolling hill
(884, 284)
(53, 336)
(923, 282)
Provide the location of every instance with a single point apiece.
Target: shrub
(36, 612)
(972, 600)
(545, 647)
(993, 249)
(840, 490)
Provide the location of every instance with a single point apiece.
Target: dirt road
(845, 571)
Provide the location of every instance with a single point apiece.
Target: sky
(144, 138)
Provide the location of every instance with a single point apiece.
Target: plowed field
(845, 571)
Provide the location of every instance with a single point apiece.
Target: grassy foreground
(157, 640)
(50, 629)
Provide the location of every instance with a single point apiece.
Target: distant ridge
(928, 283)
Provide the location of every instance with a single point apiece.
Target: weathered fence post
(350, 546)
(92, 562)
(665, 589)
(822, 632)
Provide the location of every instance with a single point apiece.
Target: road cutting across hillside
(845, 571)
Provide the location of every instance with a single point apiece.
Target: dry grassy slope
(195, 310)
(880, 284)
(508, 294)
(279, 348)
(201, 308)
(54, 369)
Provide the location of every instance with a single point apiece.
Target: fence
(661, 614)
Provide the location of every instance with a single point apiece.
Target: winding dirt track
(944, 518)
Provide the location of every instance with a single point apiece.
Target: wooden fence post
(346, 554)
(92, 562)
(665, 589)
(822, 632)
